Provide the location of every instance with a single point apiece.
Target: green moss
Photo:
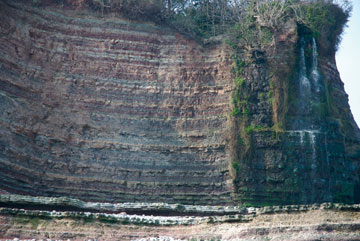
(249, 129)
(235, 112)
(240, 141)
(261, 128)
(28, 220)
(272, 85)
(277, 128)
(211, 220)
(240, 81)
(235, 165)
(112, 220)
(239, 99)
(238, 65)
(270, 95)
(326, 21)
(261, 96)
(266, 35)
(261, 201)
(245, 111)
(180, 208)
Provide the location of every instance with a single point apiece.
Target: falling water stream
(302, 135)
(312, 139)
(305, 94)
(313, 143)
(315, 72)
(305, 85)
(309, 90)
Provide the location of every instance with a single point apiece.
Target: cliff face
(297, 141)
(109, 110)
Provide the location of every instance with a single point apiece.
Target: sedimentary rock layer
(318, 222)
(110, 110)
(104, 109)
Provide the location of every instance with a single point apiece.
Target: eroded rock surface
(311, 222)
(110, 110)
(128, 130)
(104, 109)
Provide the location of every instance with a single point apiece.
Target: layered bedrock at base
(104, 109)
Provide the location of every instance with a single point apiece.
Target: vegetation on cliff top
(206, 18)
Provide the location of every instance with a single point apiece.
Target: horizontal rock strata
(317, 222)
(104, 109)
(48, 203)
(110, 110)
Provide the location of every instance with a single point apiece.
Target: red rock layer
(110, 110)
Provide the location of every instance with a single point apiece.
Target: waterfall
(306, 82)
(306, 126)
(315, 75)
(305, 86)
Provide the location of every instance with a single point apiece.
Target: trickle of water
(313, 143)
(302, 135)
(304, 81)
(312, 135)
(315, 75)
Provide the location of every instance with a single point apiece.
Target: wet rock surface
(297, 143)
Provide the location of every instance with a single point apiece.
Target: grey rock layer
(104, 109)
